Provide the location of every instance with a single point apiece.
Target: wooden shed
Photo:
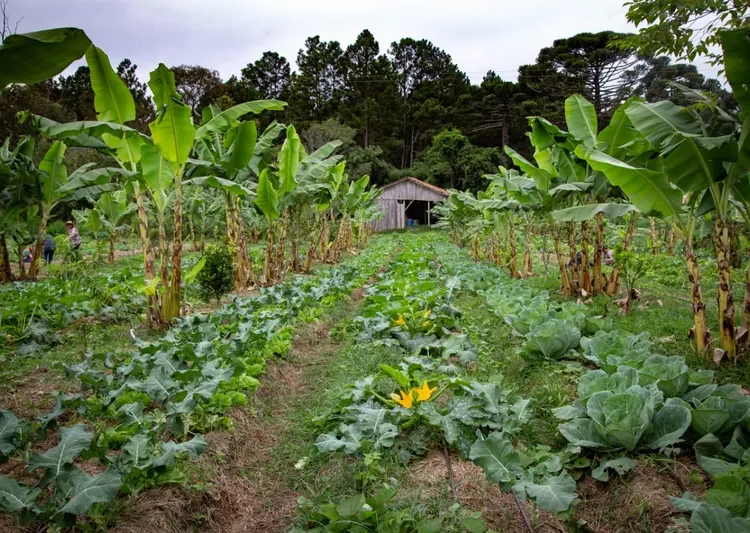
(408, 202)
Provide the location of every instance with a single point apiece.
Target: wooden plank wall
(394, 217)
(408, 190)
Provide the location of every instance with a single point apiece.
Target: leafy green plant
(216, 277)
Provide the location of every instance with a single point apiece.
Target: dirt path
(247, 490)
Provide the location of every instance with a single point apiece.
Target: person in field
(75, 237)
(608, 255)
(27, 255)
(48, 248)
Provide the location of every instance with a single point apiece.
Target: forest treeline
(408, 109)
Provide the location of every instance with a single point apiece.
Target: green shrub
(217, 276)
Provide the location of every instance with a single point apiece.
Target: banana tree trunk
(567, 286)
(574, 270)
(614, 282)
(295, 256)
(339, 244)
(654, 236)
(599, 243)
(725, 299)
(268, 261)
(513, 266)
(37, 254)
(153, 317)
(243, 274)
(171, 307)
(163, 257)
(6, 274)
(527, 266)
(565, 271)
(280, 246)
(746, 305)
(670, 246)
(700, 327)
(111, 248)
(21, 265)
(585, 271)
(193, 236)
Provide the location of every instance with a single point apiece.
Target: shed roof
(434, 188)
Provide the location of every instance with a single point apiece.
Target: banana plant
(684, 161)
(227, 151)
(349, 201)
(111, 210)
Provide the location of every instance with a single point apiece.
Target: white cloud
(225, 35)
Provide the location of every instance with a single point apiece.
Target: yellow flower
(406, 400)
(425, 392)
(400, 321)
(426, 324)
(427, 313)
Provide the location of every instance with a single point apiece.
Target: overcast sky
(225, 35)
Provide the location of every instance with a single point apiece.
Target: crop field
(213, 320)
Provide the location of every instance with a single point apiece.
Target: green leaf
(267, 199)
(72, 132)
(172, 129)
(15, 497)
(580, 116)
(289, 158)
(662, 121)
(159, 385)
(329, 442)
(582, 432)
(430, 525)
(190, 276)
(649, 190)
(732, 493)
(619, 465)
(541, 178)
(690, 167)
(351, 506)
(226, 119)
(556, 494)
(229, 186)
(72, 442)
(53, 165)
(112, 98)
(157, 173)
(399, 377)
(496, 456)
(620, 132)
(138, 450)
(33, 57)
(194, 447)
(9, 425)
(736, 47)
(88, 490)
(243, 146)
(589, 212)
(670, 424)
(473, 525)
(132, 413)
(710, 416)
(714, 519)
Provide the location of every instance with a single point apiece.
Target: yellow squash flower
(425, 392)
(400, 321)
(426, 324)
(406, 400)
(427, 313)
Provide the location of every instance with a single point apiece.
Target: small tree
(633, 267)
(217, 276)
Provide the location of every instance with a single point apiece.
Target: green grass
(549, 383)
